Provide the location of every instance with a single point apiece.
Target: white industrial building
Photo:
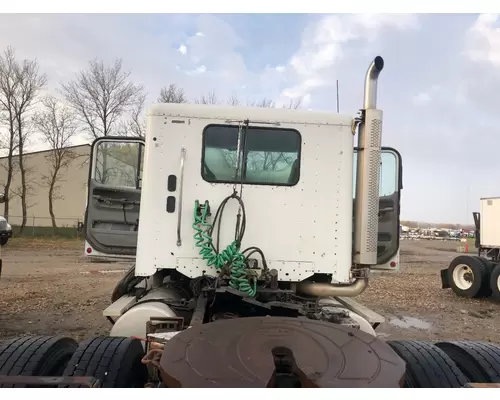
(69, 207)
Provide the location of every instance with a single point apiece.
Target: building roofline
(48, 150)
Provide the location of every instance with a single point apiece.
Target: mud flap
(445, 284)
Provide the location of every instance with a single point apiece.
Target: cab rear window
(269, 156)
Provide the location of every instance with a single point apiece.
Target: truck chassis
(249, 352)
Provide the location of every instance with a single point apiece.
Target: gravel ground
(48, 287)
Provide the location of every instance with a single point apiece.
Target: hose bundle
(231, 257)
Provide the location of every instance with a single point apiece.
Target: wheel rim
(463, 277)
(498, 283)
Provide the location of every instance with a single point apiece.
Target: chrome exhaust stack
(333, 290)
(367, 194)
(368, 172)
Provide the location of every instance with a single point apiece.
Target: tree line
(100, 100)
(428, 225)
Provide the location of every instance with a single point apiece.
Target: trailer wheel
(427, 366)
(467, 276)
(35, 356)
(115, 361)
(479, 361)
(495, 283)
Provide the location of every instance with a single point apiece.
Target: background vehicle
(479, 276)
(5, 231)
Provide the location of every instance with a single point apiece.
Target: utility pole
(338, 105)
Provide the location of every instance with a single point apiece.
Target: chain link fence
(71, 228)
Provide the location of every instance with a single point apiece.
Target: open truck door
(390, 186)
(114, 197)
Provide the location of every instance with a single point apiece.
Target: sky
(439, 88)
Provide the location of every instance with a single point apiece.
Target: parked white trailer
(489, 223)
(254, 229)
(479, 276)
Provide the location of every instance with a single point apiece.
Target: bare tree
(210, 98)
(101, 96)
(31, 81)
(293, 104)
(20, 84)
(136, 125)
(8, 88)
(267, 103)
(26, 190)
(172, 94)
(264, 103)
(233, 101)
(58, 125)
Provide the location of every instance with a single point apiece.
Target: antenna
(338, 105)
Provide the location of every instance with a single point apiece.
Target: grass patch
(44, 242)
(46, 231)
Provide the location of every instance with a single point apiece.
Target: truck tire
(3, 241)
(485, 287)
(114, 361)
(467, 276)
(35, 356)
(495, 283)
(479, 361)
(427, 366)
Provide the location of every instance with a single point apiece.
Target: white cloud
(213, 62)
(424, 98)
(198, 70)
(483, 40)
(461, 95)
(211, 50)
(421, 99)
(323, 45)
(306, 100)
(370, 24)
(302, 88)
(201, 69)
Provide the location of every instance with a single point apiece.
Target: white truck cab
(273, 205)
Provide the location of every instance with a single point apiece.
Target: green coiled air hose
(231, 255)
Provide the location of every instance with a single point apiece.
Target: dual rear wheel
(114, 361)
(473, 277)
(35, 356)
(448, 364)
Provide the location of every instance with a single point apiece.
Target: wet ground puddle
(411, 322)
